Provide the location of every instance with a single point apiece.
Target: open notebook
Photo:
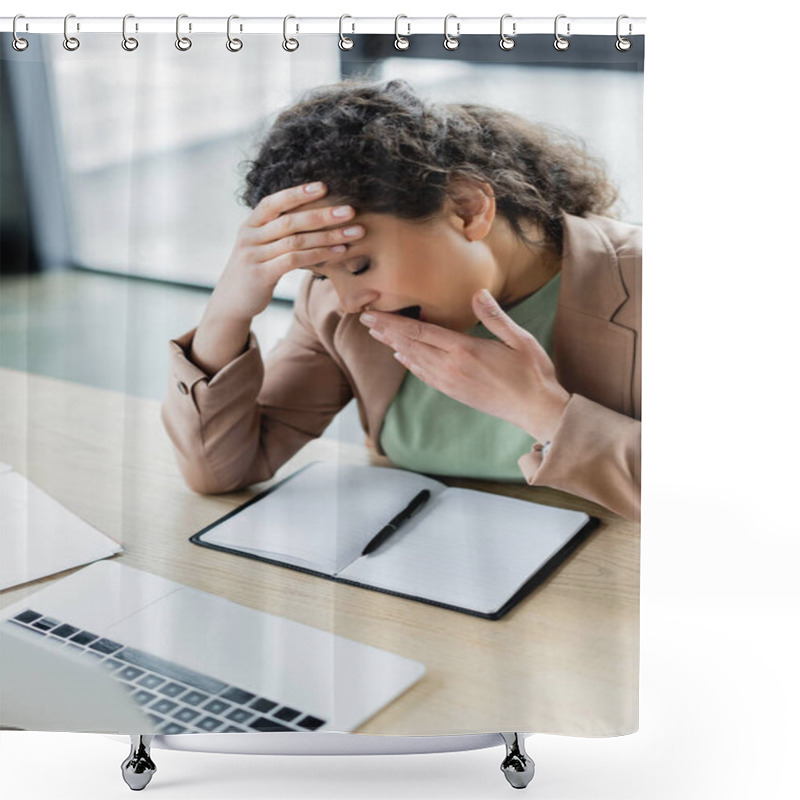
(466, 550)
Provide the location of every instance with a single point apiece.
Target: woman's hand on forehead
(293, 228)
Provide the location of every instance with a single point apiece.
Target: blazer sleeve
(238, 427)
(595, 453)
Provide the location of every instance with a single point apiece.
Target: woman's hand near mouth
(513, 378)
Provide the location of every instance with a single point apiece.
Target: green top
(427, 431)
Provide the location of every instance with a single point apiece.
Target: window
(153, 150)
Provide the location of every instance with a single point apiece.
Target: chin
(460, 325)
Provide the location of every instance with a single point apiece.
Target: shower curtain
(191, 389)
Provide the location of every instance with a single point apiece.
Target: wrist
(218, 341)
(543, 423)
(217, 315)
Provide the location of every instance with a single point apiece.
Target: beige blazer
(239, 427)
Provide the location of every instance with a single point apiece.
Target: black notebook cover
(535, 580)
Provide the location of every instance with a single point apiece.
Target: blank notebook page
(323, 516)
(469, 549)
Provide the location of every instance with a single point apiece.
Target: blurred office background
(121, 173)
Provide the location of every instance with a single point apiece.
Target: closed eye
(359, 271)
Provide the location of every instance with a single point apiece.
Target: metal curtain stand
(138, 768)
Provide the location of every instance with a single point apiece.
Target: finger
(306, 241)
(273, 205)
(437, 368)
(493, 317)
(389, 325)
(299, 222)
(424, 356)
(427, 356)
(428, 371)
(418, 369)
(299, 259)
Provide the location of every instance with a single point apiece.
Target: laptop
(114, 649)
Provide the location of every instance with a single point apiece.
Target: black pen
(405, 515)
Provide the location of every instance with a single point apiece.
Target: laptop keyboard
(177, 699)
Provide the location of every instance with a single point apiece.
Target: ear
(470, 204)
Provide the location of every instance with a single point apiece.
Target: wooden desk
(565, 660)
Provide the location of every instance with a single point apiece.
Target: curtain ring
(70, 42)
(400, 42)
(506, 42)
(234, 45)
(623, 44)
(451, 42)
(183, 43)
(561, 43)
(344, 42)
(128, 42)
(290, 45)
(19, 44)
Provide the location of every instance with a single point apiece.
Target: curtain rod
(296, 25)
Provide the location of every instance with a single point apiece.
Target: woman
(466, 289)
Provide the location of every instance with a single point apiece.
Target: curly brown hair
(382, 148)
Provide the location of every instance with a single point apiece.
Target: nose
(354, 301)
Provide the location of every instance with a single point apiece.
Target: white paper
(39, 537)
(469, 549)
(323, 517)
